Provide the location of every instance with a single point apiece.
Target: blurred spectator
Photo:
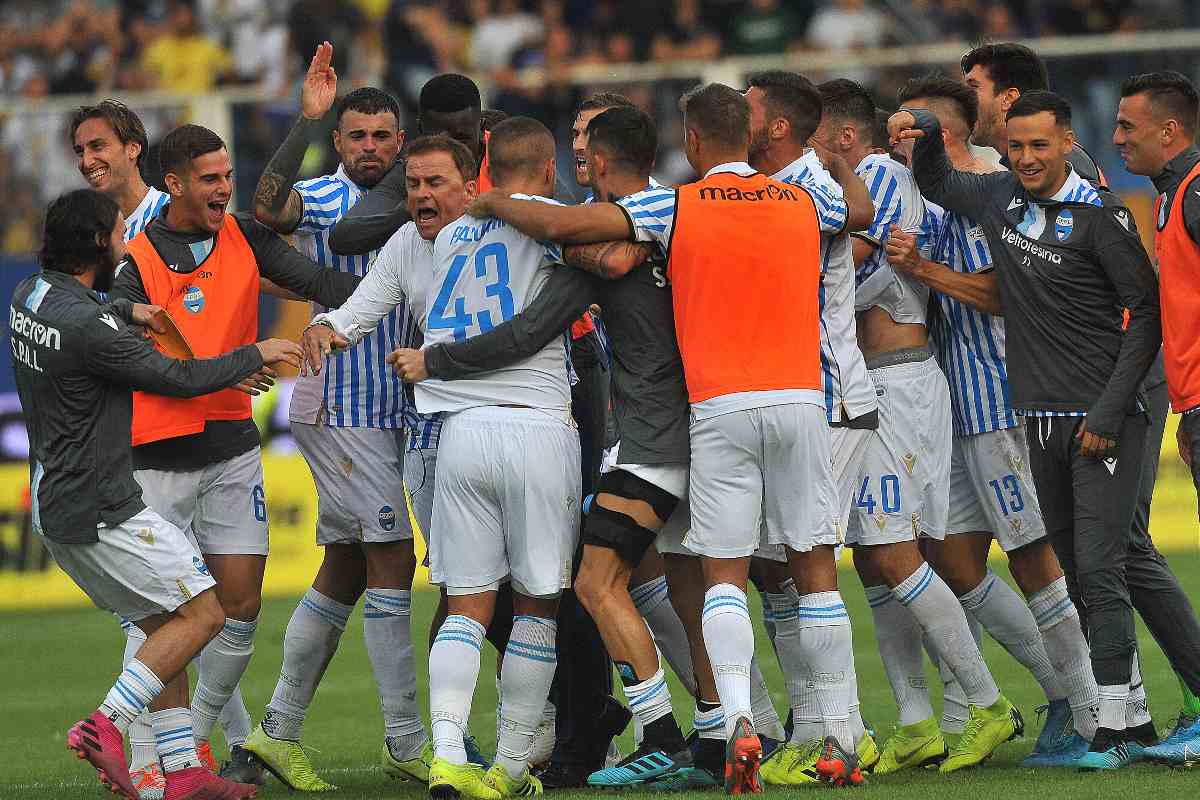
(846, 26)
(254, 34)
(999, 24)
(687, 37)
(420, 42)
(767, 26)
(500, 30)
(314, 21)
(183, 59)
(958, 20)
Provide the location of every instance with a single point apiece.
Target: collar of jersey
(340, 174)
(736, 167)
(800, 165)
(1074, 190)
(1176, 169)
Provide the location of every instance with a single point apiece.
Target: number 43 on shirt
(490, 263)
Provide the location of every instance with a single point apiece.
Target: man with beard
(76, 361)
(449, 104)
(198, 460)
(110, 142)
(349, 425)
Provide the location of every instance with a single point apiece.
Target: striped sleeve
(831, 209)
(886, 196)
(652, 212)
(325, 201)
(551, 252)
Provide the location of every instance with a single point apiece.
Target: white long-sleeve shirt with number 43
(486, 272)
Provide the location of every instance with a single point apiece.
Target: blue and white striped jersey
(898, 203)
(147, 210)
(969, 343)
(849, 392)
(357, 389)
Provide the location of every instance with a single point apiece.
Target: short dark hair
(518, 145)
(625, 134)
(845, 99)
(879, 131)
(185, 143)
(603, 100)
(792, 96)
(441, 143)
(1010, 66)
(1031, 103)
(448, 93)
(937, 85)
(719, 112)
(368, 100)
(1169, 91)
(125, 124)
(76, 232)
(491, 117)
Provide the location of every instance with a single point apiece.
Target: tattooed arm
(276, 204)
(607, 259)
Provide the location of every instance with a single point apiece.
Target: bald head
(520, 149)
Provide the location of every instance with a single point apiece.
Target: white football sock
(954, 701)
(1113, 706)
(309, 642)
(1058, 620)
(654, 604)
(858, 728)
(1007, 618)
(142, 749)
(136, 688)
(235, 719)
(387, 623)
(529, 662)
(937, 611)
(807, 722)
(729, 640)
(709, 724)
(899, 639)
(828, 646)
(453, 671)
(221, 668)
(766, 718)
(650, 699)
(173, 737)
(1136, 712)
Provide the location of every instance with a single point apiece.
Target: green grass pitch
(56, 666)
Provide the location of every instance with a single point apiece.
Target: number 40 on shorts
(889, 494)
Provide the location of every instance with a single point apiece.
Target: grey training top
(77, 360)
(1066, 270)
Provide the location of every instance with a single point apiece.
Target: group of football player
(907, 335)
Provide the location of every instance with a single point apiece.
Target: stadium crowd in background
(119, 46)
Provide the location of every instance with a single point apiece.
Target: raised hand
(320, 84)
